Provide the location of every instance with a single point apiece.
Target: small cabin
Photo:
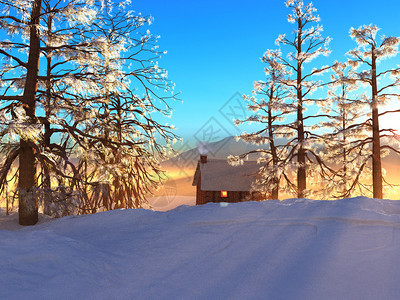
(217, 181)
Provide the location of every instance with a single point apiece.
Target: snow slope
(293, 249)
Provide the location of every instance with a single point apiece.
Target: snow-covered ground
(164, 203)
(293, 249)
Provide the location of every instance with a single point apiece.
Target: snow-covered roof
(218, 175)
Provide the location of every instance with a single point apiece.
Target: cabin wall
(233, 197)
(203, 197)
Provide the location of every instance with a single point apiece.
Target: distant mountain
(229, 146)
(220, 149)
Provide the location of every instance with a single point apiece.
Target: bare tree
(24, 23)
(120, 133)
(345, 129)
(63, 47)
(269, 111)
(25, 20)
(306, 45)
(75, 89)
(368, 55)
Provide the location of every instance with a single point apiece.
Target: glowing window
(224, 194)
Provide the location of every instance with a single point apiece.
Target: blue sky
(214, 50)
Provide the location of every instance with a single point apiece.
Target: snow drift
(297, 248)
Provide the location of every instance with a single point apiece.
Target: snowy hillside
(294, 249)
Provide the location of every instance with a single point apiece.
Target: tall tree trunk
(344, 138)
(28, 208)
(275, 179)
(301, 156)
(120, 192)
(47, 135)
(376, 143)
